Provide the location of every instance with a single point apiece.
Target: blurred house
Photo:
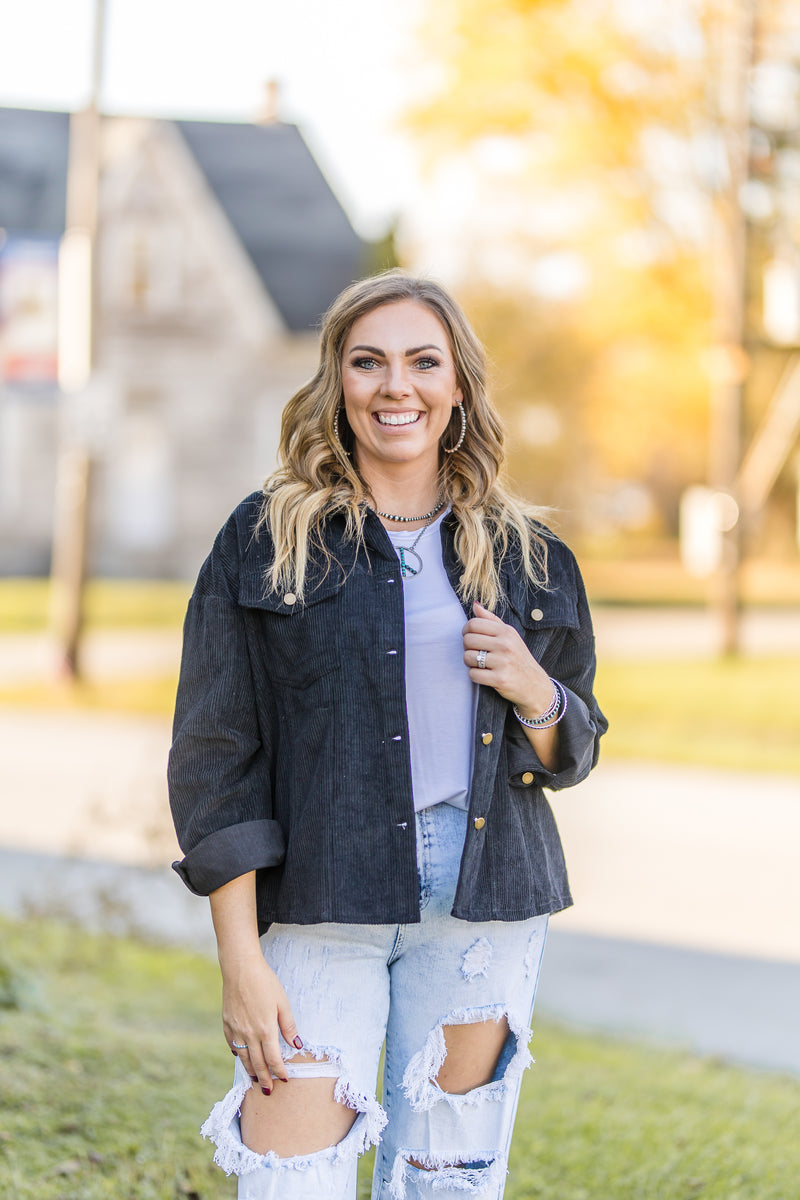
(220, 246)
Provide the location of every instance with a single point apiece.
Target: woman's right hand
(254, 1008)
(254, 1005)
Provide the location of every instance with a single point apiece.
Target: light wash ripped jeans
(353, 986)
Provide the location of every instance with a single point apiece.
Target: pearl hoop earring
(463, 430)
(336, 430)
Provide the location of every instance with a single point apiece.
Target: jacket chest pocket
(299, 640)
(544, 620)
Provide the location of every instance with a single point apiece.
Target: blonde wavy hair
(318, 477)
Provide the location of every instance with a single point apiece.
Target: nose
(396, 384)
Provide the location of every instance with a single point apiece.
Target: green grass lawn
(112, 1054)
(738, 714)
(110, 604)
(150, 696)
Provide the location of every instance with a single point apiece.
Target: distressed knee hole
(304, 1122)
(473, 1176)
(301, 1117)
(453, 1166)
(472, 1056)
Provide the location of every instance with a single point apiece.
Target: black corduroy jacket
(290, 750)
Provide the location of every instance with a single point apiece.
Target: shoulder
(243, 544)
(558, 563)
(554, 598)
(562, 565)
(245, 534)
(249, 532)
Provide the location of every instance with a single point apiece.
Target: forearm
(539, 695)
(545, 743)
(233, 912)
(254, 1004)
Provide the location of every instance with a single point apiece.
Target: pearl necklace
(408, 520)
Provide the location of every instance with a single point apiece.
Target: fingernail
(235, 1055)
(297, 1043)
(267, 1091)
(283, 1078)
(254, 1078)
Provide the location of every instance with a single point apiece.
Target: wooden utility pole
(735, 49)
(76, 353)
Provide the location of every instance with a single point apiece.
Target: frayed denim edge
(223, 1129)
(418, 1086)
(446, 1174)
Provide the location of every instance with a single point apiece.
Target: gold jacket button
(479, 822)
(486, 738)
(527, 777)
(537, 614)
(290, 599)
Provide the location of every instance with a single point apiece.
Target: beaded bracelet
(556, 710)
(552, 709)
(544, 717)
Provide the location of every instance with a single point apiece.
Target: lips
(407, 418)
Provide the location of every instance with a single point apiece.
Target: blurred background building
(611, 189)
(220, 246)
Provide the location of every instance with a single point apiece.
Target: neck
(410, 496)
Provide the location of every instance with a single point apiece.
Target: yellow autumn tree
(583, 252)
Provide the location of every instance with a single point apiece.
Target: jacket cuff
(577, 751)
(230, 852)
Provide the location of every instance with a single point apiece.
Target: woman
(386, 658)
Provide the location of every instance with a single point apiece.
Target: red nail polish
(267, 1091)
(235, 1055)
(297, 1043)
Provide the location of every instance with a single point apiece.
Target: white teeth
(398, 418)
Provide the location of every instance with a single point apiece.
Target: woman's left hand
(510, 667)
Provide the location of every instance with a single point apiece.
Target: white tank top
(441, 700)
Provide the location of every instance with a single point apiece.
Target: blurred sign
(29, 310)
(705, 515)
(782, 301)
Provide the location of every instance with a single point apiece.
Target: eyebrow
(408, 354)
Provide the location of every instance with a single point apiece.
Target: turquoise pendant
(406, 567)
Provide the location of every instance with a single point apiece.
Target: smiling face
(399, 383)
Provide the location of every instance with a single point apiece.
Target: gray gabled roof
(264, 177)
(278, 201)
(33, 171)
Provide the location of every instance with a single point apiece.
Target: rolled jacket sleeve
(219, 771)
(582, 725)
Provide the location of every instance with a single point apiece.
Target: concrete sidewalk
(685, 927)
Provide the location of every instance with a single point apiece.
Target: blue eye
(426, 363)
(365, 364)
